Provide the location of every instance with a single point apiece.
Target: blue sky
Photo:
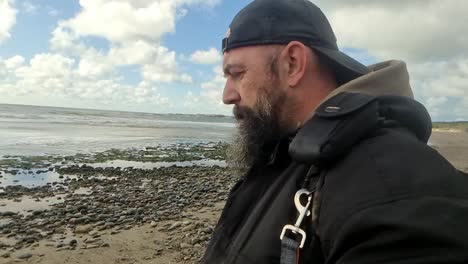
(163, 55)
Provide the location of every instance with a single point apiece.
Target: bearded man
(333, 154)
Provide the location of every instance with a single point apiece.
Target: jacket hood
(385, 78)
(389, 82)
(380, 99)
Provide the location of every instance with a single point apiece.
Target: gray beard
(258, 129)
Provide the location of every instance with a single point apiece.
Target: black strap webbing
(290, 248)
(289, 251)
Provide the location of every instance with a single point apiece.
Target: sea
(38, 130)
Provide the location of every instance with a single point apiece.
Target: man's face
(254, 87)
(246, 72)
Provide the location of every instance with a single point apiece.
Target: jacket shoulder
(389, 166)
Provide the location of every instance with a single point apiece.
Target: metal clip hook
(303, 212)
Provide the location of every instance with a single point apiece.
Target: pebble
(91, 241)
(83, 229)
(8, 213)
(25, 256)
(63, 248)
(91, 246)
(73, 242)
(185, 245)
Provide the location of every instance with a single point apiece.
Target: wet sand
(141, 244)
(453, 146)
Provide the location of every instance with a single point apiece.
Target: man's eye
(236, 74)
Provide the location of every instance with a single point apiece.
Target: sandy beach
(453, 146)
(139, 206)
(157, 205)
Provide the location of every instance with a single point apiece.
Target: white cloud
(43, 66)
(124, 20)
(135, 35)
(210, 56)
(209, 100)
(164, 68)
(158, 73)
(64, 40)
(136, 52)
(8, 67)
(413, 30)
(93, 64)
(8, 18)
(74, 69)
(56, 76)
(130, 20)
(430, 35)
(14, 62)
(441, 86)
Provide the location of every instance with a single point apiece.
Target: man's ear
(296, 57)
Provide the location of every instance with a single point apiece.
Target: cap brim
(344, 67)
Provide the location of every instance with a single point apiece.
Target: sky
(163, 56)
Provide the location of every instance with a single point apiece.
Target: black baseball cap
(265, 22)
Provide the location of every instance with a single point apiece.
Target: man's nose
(230, 94)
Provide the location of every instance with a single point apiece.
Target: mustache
(241, 112)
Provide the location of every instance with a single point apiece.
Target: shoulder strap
(337, 125)
(302, 233)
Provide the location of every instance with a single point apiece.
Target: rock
(60, 230)
(91, 246)
(72, 242)
(174, 226)
(83, 229)
(92, 241)
(8, 213)
(63, 248)
(131, 211)
(25, 256)
(60, 245)
(195, 240)
(153, 224)
(188, 228)
(185, 245)
(5, 255)
(36, 213)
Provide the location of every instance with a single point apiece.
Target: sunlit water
(34, 130)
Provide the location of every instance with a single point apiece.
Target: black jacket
(386, 196)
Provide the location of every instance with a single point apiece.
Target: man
(334, 157)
